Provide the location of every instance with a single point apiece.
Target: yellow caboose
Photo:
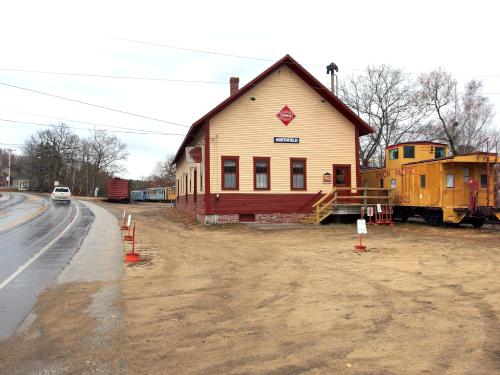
(171, 194)
(426, 182)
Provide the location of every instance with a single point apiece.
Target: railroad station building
(269, 151)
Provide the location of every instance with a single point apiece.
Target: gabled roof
(307, 77)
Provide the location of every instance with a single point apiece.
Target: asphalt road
(8, 200)
(34, 249)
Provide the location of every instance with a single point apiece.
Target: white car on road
(61, 194)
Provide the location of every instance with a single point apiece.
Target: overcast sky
(86, 37)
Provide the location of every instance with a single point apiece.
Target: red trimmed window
(298, 174)
(262, 173)
(230, 168)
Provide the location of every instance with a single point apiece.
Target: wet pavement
(34, 252)
(19, 208)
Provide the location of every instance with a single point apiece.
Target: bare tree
(164, 173)
(51, 154)
(385, 98)
(105, 154)
(460, 120)
(58, 154)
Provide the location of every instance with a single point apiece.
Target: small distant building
(20, 184)
(269, 151)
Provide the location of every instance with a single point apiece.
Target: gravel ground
(236, 299)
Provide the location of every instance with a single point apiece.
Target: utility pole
(331, 69)
(9, 150)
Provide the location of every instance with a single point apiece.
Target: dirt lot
(241, 300)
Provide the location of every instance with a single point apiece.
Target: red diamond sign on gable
(286, 115)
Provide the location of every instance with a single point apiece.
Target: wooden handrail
(327, 204)
(365, 197)
(319, 206)
(331, 200)
(324, 197)
(363, 188)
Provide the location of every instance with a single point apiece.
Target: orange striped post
(380, 214)
(130, 237)
(132, 256)
(370, 215)
(124, 225)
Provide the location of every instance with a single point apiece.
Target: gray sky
(84, 37)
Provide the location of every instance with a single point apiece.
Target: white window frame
(450, 181)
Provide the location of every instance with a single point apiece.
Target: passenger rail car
(138, 195)
(425, 182)
(158, 194)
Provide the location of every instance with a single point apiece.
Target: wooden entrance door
(342, 178)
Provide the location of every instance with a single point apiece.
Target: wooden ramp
(350, 204)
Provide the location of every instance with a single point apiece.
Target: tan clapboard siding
(247, 128)
(182, 168)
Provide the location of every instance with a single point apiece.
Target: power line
(92, 105)
(264, 59)
(172, 80)
(84, 122)
(192, 49)
(151, 79)
(110, 76)
(114, 76)
(79, 128)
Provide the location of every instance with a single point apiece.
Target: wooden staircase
(334, 204)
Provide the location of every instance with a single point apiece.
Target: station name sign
(286, 140)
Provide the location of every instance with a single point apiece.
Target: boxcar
(118, 190)
(426, 182)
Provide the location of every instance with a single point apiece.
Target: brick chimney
(234, 83)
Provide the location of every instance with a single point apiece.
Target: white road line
(37, 255)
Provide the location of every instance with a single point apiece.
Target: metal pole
(9, 166)
(9, 150)
(365, 193)
(133, 240)
(496, 184)
(488, 176)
